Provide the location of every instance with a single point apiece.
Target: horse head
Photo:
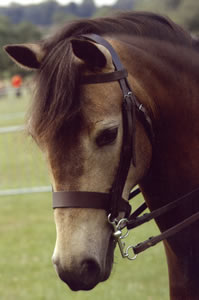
(81, 138)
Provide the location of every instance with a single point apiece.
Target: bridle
(113, 202)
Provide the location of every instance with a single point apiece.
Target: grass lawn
(27, 233)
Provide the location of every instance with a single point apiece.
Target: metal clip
(119, 236)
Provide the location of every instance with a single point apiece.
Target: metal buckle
(118, 226)
(129, 94)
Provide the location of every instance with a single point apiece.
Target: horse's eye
(106, 137)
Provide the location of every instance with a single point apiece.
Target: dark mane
(134, 23)
(57, 95)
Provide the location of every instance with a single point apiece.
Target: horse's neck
(183, 273)
(170, 91)
(175, 171)
(175, 154)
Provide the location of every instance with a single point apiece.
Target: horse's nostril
(90, 271)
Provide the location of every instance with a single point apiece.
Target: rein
(113, 202)
(136, 220)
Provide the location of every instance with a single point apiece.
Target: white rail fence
(22, 166)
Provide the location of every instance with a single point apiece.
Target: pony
(79, 127)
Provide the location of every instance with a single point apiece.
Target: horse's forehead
(101, 100)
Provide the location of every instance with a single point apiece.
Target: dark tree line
(50, 12)
(47, 12)
(183, 12)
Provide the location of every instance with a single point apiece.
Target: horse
(116, 105)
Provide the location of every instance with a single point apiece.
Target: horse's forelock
(56, 99)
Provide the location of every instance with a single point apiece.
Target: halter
(113, 202)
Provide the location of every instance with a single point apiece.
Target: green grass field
(27, 233)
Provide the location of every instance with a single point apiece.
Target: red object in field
(16, 81)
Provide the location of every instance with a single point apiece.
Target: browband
(104, 77)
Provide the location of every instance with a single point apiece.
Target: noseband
(112, 202)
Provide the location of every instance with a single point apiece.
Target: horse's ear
(93, 55)
(28, 56)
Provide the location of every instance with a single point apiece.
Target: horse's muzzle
(83, 277)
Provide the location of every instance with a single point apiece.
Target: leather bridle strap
(134, 220)
(127, 153)
(104, 77)
(62, 199)
(152, 241)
